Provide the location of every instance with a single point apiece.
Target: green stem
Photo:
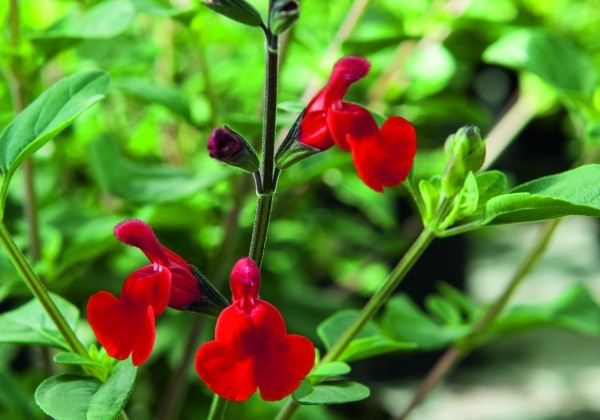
(373, 305)
(217, 408)
(266, 179)
(260, 228)
(456, 353)
(381, 295)
(270, 114)
(38, 290)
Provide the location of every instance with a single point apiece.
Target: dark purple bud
(227, 146)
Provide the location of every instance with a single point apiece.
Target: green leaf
(112, 396)
(430, 195)
(67, 396)
(490, 184)
(149, 92)
(48, 115)
(552, 57)
(369, 342)
(106, 19)
(458, 299)
(574, 192)
(465, 203)
(443, 309)
(336, 392)
(407, 322)
(77, 397)
(30, 324)
(331, 369)
(144, 183)
(68, 358)
(574, 310)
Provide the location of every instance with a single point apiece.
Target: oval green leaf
(29, 324)
(338, 392)
(76, 397)
(574, 192)
(48, 115)
(67, 396)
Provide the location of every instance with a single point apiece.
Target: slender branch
(270, 115)
(370, 309)
(454, 354)
(260, 228)
(40, 292)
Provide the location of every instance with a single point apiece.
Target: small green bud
(238, 10)
(291, 150)
(283, 14)
(465, 152)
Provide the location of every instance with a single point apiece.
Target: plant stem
(370, 309)
(266, 179)
(40, 292)
(260, 228)
(217, 408)
(381, 295)
(270, 114)
(456, 353)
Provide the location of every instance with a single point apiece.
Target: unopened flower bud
(283, 14)
(227, 146)
(245, 282)
(292, 150)
(465, 152)
(238, 10)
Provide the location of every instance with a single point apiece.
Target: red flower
(251, 348)
(125, 325)
(383, 157)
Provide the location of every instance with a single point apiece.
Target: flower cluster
(125, 325)
(251, 348)
(382, 156)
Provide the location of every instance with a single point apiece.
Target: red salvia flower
(125, 325)
(252, 348)
(382, 157)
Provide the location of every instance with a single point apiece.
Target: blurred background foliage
(178, 70)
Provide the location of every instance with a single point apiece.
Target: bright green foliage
(144, 183)
(547, 55)
(371, 341)
(30, 324)
(332, 392)
(575, 309)
(75, 397)
(575, 192)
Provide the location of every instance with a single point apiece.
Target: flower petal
(385, 159)
(226, 371)
(350, 122)
(253, 351)
(147, 287)
(138, 234)
(346, 71)
(314, 131)
(284, 366)
(121, 328)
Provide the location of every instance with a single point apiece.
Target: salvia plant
(261, 242)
